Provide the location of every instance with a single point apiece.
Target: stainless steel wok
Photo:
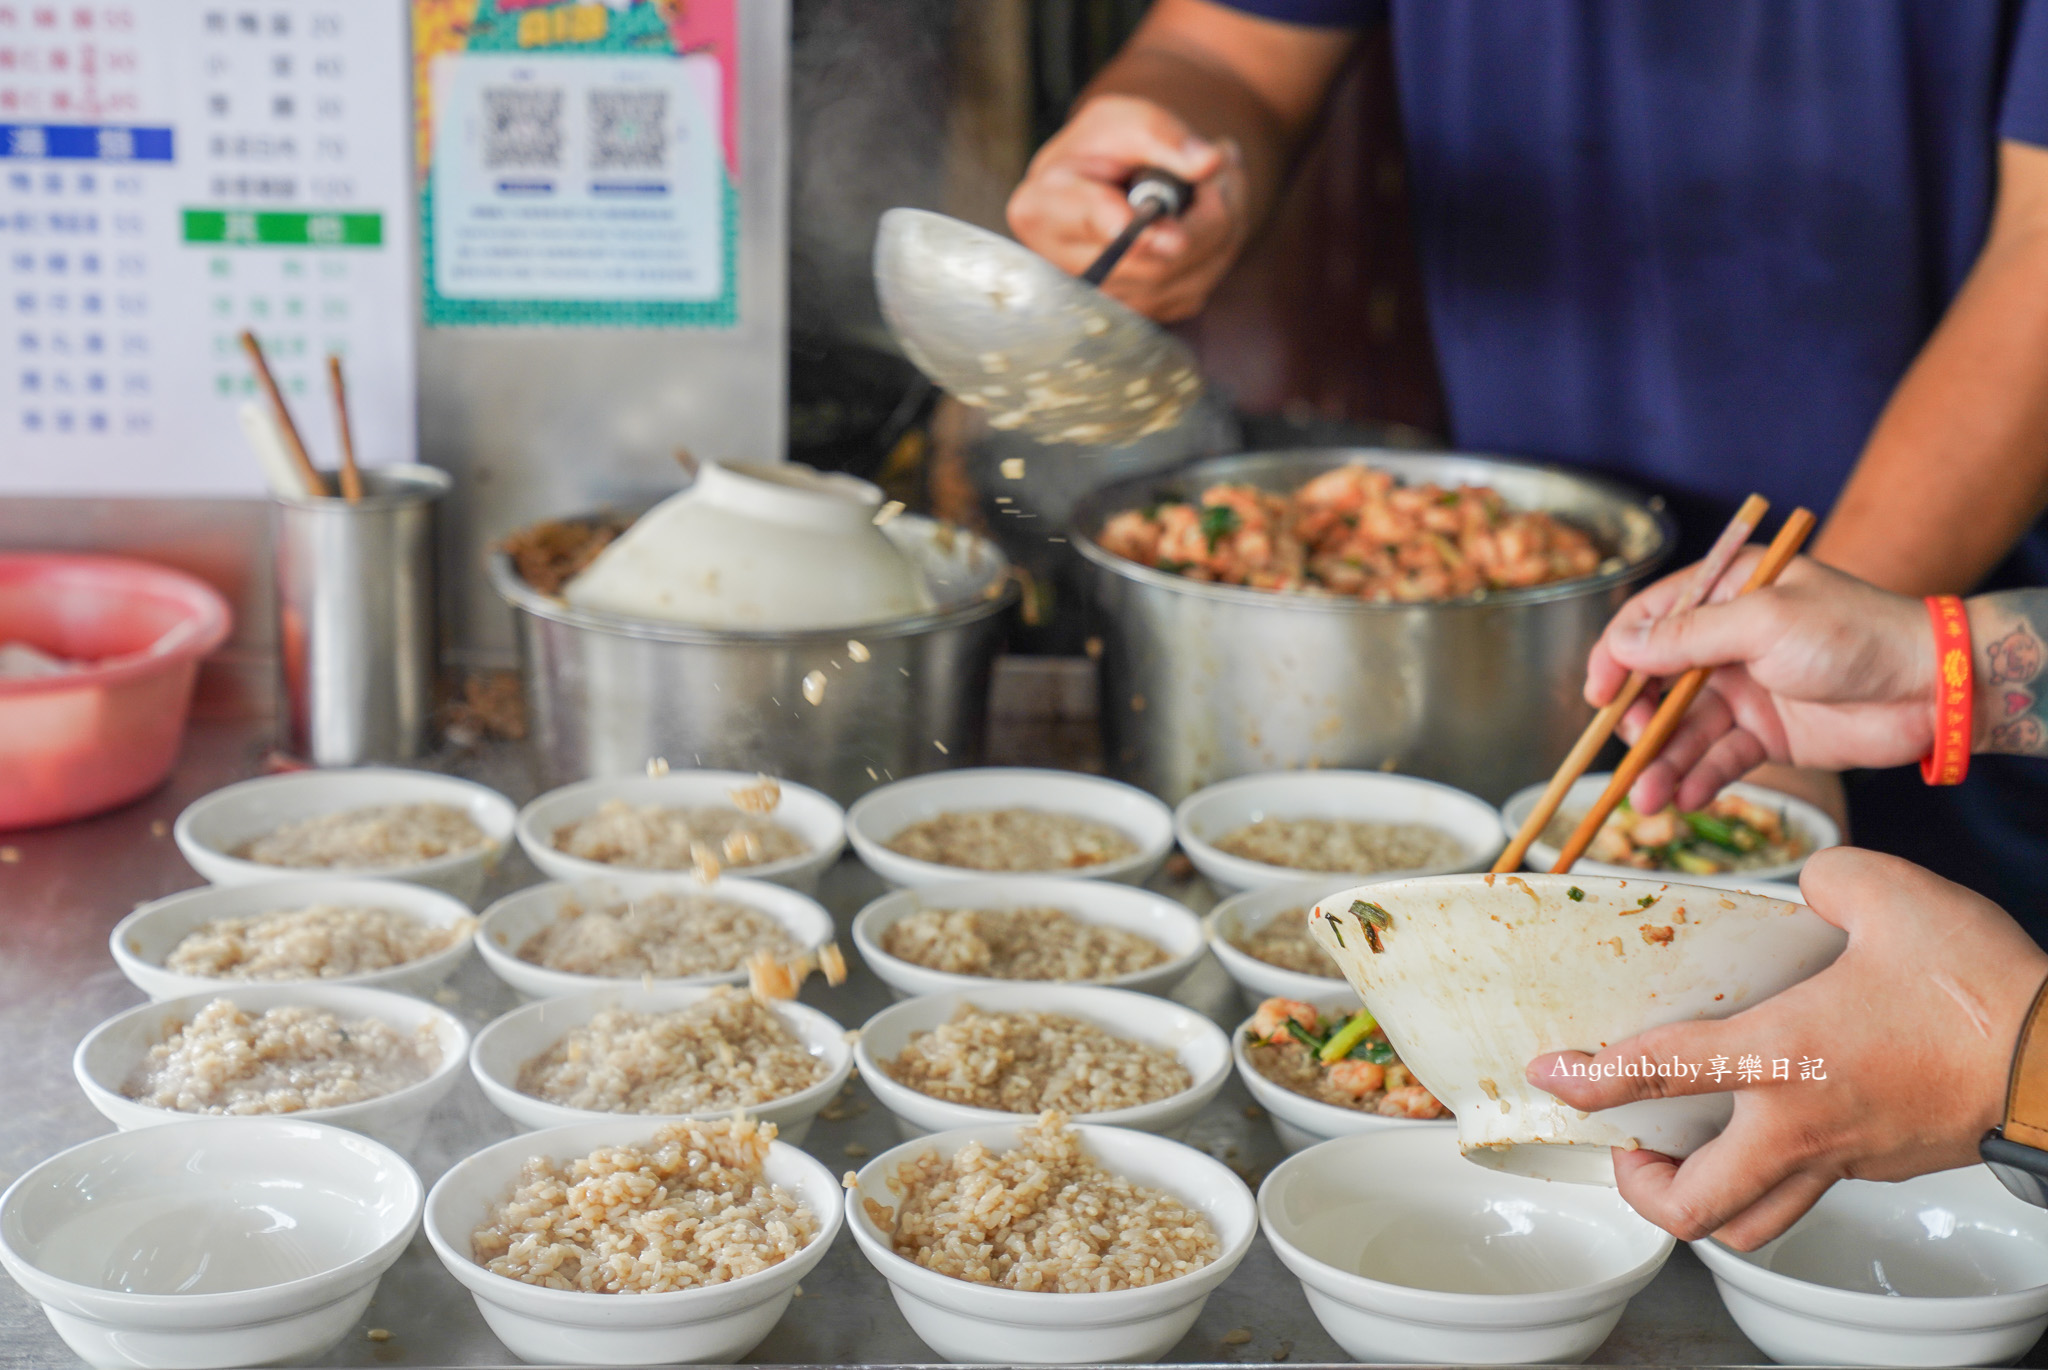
(1204, 682)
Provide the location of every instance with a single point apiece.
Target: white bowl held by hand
(1945, 1269)
(716, 1324)
(967, 1322)
(145, 938)
(1196, 1042)
(1299, 1121)
(1474, 976)
(502, 1048)
(1408, 1254)
(209, 1242)
(1806, 820)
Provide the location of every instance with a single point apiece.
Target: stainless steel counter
(61, 890)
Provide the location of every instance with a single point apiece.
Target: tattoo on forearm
(2011, 688)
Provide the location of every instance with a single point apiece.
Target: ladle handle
(1156, 195)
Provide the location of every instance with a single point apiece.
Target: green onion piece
(1304, 1036)
(1346, 1037)
(1380, 1053)
(1575, 894)
(1693, 862)
(1217, 521)
(1646, 900)
(1711, 829)
(1335, 931)
(1372, 913)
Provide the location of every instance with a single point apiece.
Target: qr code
(522, 127)
(628, 130)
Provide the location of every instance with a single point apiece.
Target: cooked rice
(1031, 1062)
(379, 837)
(318, 942)
(728, 1051)
(282, 1060)
(691, 1206)
(1285, 942)
(1012, 840)
(1042, 1216)
(665, 936)
(1342, 845)
(653, 838)
(1019, 944)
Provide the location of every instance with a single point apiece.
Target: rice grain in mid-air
(814, 687)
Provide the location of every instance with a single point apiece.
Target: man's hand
(1913, 1026)
(1817, 670)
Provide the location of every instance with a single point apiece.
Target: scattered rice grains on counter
(667, 839)
(663, 935)
(318, 942)
(283, 1060)
(1019, 944)
(726, 1051)
(374, 838)
(1042, 1216)
(1031, 1062)
(1011, 840)
(691, 1206)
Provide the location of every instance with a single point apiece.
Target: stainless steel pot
(605, 695)
(1204, 682)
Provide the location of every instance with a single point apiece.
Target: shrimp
(1656, 829)
(1357, 1078)
(1134, 535)
(1410, 1101)
(1271, 1019)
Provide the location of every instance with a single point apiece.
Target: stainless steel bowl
(605, 694)
(1203, 682)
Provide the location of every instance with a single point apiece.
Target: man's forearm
(2009, 637)
(1957, 466)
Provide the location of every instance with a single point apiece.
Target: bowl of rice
(1284, 1082)
(674, 1052)
(685, 821)
(643, 931)
(1010, 820)
(426, 829)
(368, 1060)
(967, 934)
(1050, 1243)
(1009, 1052)
(1289, 826)
(631, 1241)
(1260, 937)
(381, 934)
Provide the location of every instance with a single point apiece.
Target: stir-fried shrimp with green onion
(1342, 1060)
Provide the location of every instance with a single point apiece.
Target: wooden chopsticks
(351, 475)
(1776, 558)
(1705, 575)
(294, 446)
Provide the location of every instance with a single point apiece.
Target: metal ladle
(1006, 331)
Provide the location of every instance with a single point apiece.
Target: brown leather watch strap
(2026, 1093)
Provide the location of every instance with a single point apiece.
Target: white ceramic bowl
(1802, 817)
(1301, 1122)
(508, 923)
(112, 1053)
(1478, 975)
(716, 1323)
(275, 1230)
(1198, 1044)
(1409, 1254)
(819, 821)
(1368, 796)
(963, 1321)
(1250, 910)
(519, 1036)
(880, 814)
(1946, 1269)
(210, 828)
(141, 941)
(1166, 921)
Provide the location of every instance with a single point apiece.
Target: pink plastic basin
(77, 743)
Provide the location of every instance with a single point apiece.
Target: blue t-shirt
(1696, 243)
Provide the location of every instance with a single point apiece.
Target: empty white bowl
(141, 941)
(1249, 911)
(1299, 1121)
(507, 924)
(717, 1323)
(1197, 1043)
(1407, 1253)
(1803, 818)
(1166, 921)
(1945, 1269)
(819, 821)
(210, 1242)
(513, 1040)
(963, 1321)
(880, 814)
(210, 829)
(1475, 976)
(1366, 796)
(114, 1051)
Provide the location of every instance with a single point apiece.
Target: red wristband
(1949, 761)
